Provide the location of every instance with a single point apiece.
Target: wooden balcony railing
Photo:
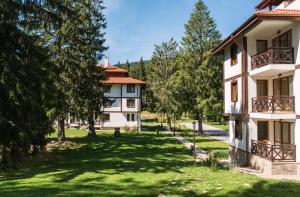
(283, 152)
(274, 55)
(273, 104)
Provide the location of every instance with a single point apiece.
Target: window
(262, 130)
(233, 54)
(283, 86)
(282, 132)
(106, 117)
(284, 40)
(130, 103)
(130, 117)
(234, 91)
(130, 88)
(261, 46)
(238, 129)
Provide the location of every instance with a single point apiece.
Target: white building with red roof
(124, 94)
(261, 93)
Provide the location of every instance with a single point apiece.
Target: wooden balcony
(274, 55)
(282, 152)
(273, 104)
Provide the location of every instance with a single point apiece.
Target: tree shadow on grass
(102, 157)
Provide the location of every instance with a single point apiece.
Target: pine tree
(27, 82)
(160, 78)
(200, 73)
(88, 92)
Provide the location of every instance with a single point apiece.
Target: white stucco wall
(119, 110)
(120, 120)
(231, 71)
(295, 5)
(240, 144)
(233, 107)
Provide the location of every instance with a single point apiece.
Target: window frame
(238, 134)
(128, 88)
(234, 98)
(259, 134)
(233, 54)
(128, 101)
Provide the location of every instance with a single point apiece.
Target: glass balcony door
(282, 133)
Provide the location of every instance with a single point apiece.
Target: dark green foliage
(139, 70)
(161, 77)
(48, 54)
(201, 72)
(27, 89)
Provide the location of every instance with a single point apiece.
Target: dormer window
(234, 54)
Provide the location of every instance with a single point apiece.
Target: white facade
(120, 114)
(278, 110)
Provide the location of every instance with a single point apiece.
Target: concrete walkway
(213, 132)
(200, 154)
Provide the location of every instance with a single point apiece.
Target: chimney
(106, 61)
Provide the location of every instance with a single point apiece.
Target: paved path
(214, 132)
(200, 154)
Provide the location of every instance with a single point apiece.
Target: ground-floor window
(238, 129)
(106, 117)
(130, 117)
(262, 130)
(282, 132)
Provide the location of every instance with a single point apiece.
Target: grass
(132, 165)
(222, 126)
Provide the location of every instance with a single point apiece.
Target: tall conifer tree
(201, 74)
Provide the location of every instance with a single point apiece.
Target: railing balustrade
(273, 104)
(282, 152)
(274, 55)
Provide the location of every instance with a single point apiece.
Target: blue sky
(134, 26)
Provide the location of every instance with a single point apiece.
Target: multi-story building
(124, 94)
(262, 97)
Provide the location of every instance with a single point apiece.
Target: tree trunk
(200, 116)
(117, 132)
(4, 157)
(169, 123)
(91, 122)
(61, 129)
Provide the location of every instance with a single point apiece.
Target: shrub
(219, 154)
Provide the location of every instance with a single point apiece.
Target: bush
(219, 154)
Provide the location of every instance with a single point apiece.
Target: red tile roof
(114, 69)
(122, 80)
(118, 75)
(256, 19)
(279, 12)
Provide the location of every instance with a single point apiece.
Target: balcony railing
(273, 104)
(274, 55)
(282, 152)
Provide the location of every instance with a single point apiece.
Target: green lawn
(208, 143)
(218, 125)
(133, 165)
